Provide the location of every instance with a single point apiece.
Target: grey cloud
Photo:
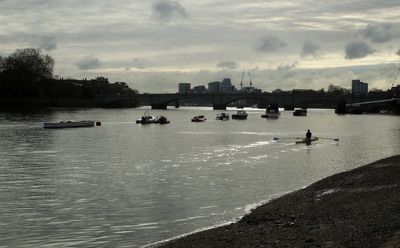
(270, 44)
(139, 63)
(46, 43)
(309, 48)
(88, 63)
(287, 67)
(166, 10)
(358, 50)
(228, 64)
(379, 33)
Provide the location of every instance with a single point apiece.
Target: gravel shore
(357, 208)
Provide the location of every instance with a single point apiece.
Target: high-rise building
(358, 87)
(226, 86)
(184, 88)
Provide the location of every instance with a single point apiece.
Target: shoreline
(356, 208)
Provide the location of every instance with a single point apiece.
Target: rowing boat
(307, 141)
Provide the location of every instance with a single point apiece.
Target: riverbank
(357, 208)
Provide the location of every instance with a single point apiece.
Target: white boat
(199, 118)
(146, 119)
(240, 115)
(222, 116)
(70, 124)
(272, 111)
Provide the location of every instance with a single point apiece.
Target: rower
(308, 137)
(308, 134)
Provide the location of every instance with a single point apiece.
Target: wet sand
(357, 208)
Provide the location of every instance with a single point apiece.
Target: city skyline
(153, 46)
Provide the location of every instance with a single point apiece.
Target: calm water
(127, 185)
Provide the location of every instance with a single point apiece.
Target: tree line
(28, 73)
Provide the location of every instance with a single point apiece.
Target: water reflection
(124, 184)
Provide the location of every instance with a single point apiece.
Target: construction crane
(251, 84)
(241, 81)
(397, 73)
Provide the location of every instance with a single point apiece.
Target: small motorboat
(272, 111)
(199, 118)
(222, 116)
(70, 124)
(240, 115)
(307, 141)
(300, 112)
(146, 119)
(161, 120)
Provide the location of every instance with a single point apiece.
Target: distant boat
(222, 116)
(199, 118)
(272, 111)
(146, 119)
(240, 115)
(300, 112)
(70, 124)
(161, 120)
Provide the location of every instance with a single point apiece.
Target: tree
(23, 70)
(277, 91)
(338, 90)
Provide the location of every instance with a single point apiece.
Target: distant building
(221, 87)
(358, 87)
(226, 86)
(199, 89)
(184, 88)
(213, 87)
(250, 89)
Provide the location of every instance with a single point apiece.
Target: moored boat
(199, 118)
(146, 119)
(240, 115)
(272, 111)
(300, 112)
(70, 124)
(161, 120)
(222, 116)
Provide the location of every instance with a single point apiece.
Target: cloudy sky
(154, 45)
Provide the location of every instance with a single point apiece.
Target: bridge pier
(219, 106)
(158, 106)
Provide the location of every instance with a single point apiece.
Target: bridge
(374, 106)
(222, 100)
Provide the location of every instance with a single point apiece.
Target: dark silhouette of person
(308, 134)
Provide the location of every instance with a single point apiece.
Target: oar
(334, 139)
(277, 138)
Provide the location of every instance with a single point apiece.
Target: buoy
(98, 123)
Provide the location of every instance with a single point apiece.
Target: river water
(127, 185)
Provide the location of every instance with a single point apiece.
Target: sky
(154, 45)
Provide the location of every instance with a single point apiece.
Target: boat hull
(307, 141)
(69, 124)
(239, 117)
(270, 115)
(300, 112)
